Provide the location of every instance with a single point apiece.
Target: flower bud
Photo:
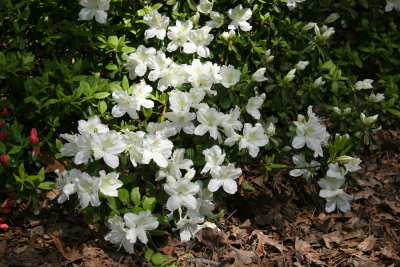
(3, 135)
(37, 150)
(308, 26)
(332, 17)
(6, 203)
(271, 129)
(346, 111)
(2, 220)
(376, 98)
(344, 159)
(4, 226)
(258, 76)
(227, 36)
(1, 124)
(337, 110)
(367, 121)
(195, 19)
(34, 140)
(4, 160)
(318, 83)
(301, 65)
(290, 76)
(5, 211)
(4, 112)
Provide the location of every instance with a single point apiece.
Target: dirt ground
(281, 223)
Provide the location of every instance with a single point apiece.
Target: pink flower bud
(34, 138)
(4, 226)
(37, 150)
(4, 160)
(3, 135)
(6, 203)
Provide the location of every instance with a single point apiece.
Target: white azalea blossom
(84, 146)
(125, 103)
(173, 76)
(253, 138)
(209, 120)
(214, 158)
(368, 121)
(157, 24)
(390, 4)
(291, 4)
(231, 119)
(165, 128)
(71, 148)
(239, 17)
(175, 165)
(156, 147)
(333, 194)
(118, 234)
(137, 62)
(109, 183)
(228, 36)
(364, 84)
(108, 146)
(258, 76)
(66, 181)
(158, 64)
(94, 8)
(138, 224)
(178, 34)
(217, 19)
(254, 104)
(92, 125)
(181, 194)
(230, 76)
(290, 76)
(198, 40)
(305, 169)
(224, 176)
(205, 6)
(301, 65)
(88, 190)
(134, 141)
(188, 227)
(376, 98)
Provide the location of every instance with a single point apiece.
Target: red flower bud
(4, 112)
(3, 135)
(1, 124)
(6, 203)
(2, 220)
(4, 159)
(34, 138)
(5, 211)
(4, 226)
(37, 150)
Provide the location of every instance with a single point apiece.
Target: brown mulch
(281, 223)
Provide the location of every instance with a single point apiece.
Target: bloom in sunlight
(291, 4)
(258, 76)
(230, 76)
(158, 148)
(205, 204)
(125, 104)
(198, 40)
(175, 165)
(254, 104)
(109, 183)
(158, 64)
(71, 148)
(92, 125)
(134, 140)
(178, 34)
(214, 158)
(181, 194)
(118, 234)
(138, 224)
(303, 168)
(209, 120)
(188, 227)
(84, 147)
(96, 8)
(137, 62)
(205, 6)
(180, 103)
(88, 190)
(253, 138)
(108, 146)
(174, 76)
(157, 24)
(224, 176)
(239, 15)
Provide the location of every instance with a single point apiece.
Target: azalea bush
(167, 101)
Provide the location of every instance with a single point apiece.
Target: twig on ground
(203, 261)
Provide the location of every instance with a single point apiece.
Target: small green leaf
(158, 259)
(113, 41)
(135, 196)
(149, 203)
(123, 195)
(125, 83)
(102, 106)
(247, 187)
(46, 185)
(148, 253)
(59, 144)
(15, 150)
(101, 95)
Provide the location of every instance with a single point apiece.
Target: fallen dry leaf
(365, 194)
(247, 257)
(263, 239)
(301, 245)
(388, 251)
(336, 237)
(367, 244)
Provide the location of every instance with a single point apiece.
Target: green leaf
(101, 95)
(125, 83)
(113, 41)
(278, 166)
(2, 59)
(247, 187)
(85, 88)
(149, 203)
(102, 107)
(123, 195)
(2, 148)
(158, 259)
(59, 144)
(148, 253)
(15, 150)
(50, 102)
(46, 185)
(135, 196)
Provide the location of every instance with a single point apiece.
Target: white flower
(137, 62)
(181, 194)
(290, 76)
(96, 8)
(230, 76)
(189, 227)
(253, 139)
(205, 204)
(224, 176)
(365, 84)
(197, 96)
(138, 225)
(258, 76)
(301, 65)
(351, 164)
(305, 169)
(88, 190)
(214, 158)
(158, 64)
(209, 120)
(231, 120)
(334, 195)
(227, 36)
(109, 183)
(271, 129)
(291, 4)
(174, 76)
(390, 4)
(376, 98)
(368, 121)
(318, 82)
(71, 148)
(335, 171)
(205, 6)
(182, 120)
(216, 21)
(108, 146)
(165, 128)
(158, 148)
(175, 164)
(125, 104)
(118, 234)
(239, 15)
(135, 141)
(67, 181)
(140, 94)
(198, 41)
(253, 105)
(84, 146)
(311, 133)
(157, 24)
(178, 34)
(92, 125)
(201, 76)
